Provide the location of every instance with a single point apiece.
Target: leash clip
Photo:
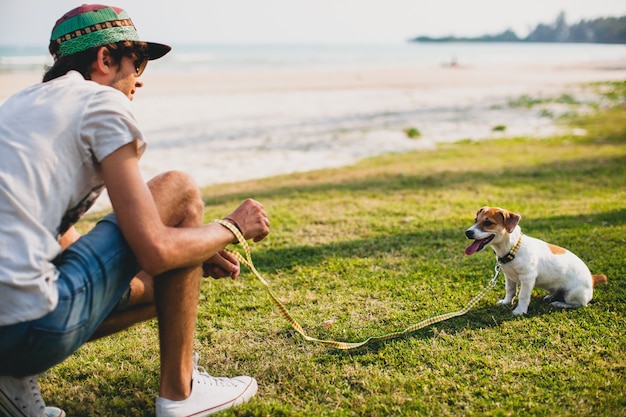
(496, 270)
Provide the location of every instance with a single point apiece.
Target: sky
(29, 22)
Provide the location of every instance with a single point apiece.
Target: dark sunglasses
(140, 62)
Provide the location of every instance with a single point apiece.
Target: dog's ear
(511, 220)
(485, 208)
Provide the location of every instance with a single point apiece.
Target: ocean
(240, 57)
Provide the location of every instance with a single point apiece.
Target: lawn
(378, 246)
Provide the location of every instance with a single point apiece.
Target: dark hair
(82, 61)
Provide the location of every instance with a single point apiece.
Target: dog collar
(511, 255)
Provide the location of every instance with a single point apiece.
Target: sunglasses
(140, 62)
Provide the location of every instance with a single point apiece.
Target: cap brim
(157, 50)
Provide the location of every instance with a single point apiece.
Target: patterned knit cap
(92, 25)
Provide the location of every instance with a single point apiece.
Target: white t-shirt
(53, 137)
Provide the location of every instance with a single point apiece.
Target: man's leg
(176, 292)
(139, 307)
(173, 296)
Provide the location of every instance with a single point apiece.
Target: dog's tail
(598, 279)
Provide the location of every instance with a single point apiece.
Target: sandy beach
(235, 126)
(230, 126)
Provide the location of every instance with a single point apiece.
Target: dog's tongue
(471, 249)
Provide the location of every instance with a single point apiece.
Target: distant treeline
(602, 30)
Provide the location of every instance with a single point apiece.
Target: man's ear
(103, 63)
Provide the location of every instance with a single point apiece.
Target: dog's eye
(488, 223)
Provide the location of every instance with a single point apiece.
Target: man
(63, 141)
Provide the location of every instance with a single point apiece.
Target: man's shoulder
(72, 87)
(74, 80)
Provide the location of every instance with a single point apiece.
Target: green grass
(378, 246)
(412, 132)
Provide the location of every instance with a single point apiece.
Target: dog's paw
(520, 311)
(504, 302)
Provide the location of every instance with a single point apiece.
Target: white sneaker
(53, 412)
(20, 397)
(209, 395)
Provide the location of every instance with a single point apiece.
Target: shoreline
(159, 82)
(224, 127)
(444, 76)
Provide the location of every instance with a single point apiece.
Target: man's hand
(252, 220)
(221, 265)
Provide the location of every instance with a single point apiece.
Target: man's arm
(150, 230)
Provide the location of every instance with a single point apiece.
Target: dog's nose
(469, 233)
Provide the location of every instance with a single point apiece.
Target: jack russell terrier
(530, 262)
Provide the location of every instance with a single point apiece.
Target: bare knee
(178, 199)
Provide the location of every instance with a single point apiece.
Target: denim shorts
(94, 273)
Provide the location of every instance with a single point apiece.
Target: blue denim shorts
(94, 273)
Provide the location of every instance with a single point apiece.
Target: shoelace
(204, 378)
(32, 393)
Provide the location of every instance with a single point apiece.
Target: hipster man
(62, 142)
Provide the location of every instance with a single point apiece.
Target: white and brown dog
(530, 262)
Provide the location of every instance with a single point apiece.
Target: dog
(530, 262)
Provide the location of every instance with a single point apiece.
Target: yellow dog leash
(247, 261)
